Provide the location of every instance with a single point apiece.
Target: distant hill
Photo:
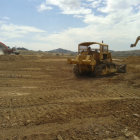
(64, 51)
(114, 53)
(125, 53)
(22, 48)
(60, 50)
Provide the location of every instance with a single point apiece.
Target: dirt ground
(41, 99)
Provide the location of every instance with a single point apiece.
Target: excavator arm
(133, 45)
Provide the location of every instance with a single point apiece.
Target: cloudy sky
(51, 24)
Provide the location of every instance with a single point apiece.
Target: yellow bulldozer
(134, 45)
(93, 61)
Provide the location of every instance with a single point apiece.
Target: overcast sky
(51, 24)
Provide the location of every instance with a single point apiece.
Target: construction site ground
(41, 99)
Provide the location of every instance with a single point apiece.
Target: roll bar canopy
(90, 43)
(85, 45)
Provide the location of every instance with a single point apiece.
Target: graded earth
(41, 99)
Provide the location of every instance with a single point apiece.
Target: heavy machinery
(7, 50)
(97, 62)
(133, 45)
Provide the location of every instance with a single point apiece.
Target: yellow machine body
(95, 61)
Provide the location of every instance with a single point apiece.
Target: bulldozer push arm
(133, 45)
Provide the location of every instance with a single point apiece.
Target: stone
(136, 115)
(136, 137)
(59, 137)
(128, 134)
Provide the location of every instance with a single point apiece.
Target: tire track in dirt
(58, 111)
(66, 113)
(43, 131)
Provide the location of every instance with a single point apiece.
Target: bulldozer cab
(86, 46)
(101, 53)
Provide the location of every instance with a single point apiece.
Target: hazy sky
(51, 24)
